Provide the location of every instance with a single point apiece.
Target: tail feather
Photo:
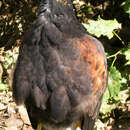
(88, 123)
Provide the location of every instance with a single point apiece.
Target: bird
(61, 70)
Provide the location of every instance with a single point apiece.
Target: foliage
(111, 97)
(114, 83)
(8, 60)
(126, 6)
(15, 17)
(3, 86)
(105, 27)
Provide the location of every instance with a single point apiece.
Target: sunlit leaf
(112, 92)
(3, 86)
(8, 60)
(102, 27)
(114, 82)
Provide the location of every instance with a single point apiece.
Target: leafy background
(107, 20)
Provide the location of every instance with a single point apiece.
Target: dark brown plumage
(61, 72)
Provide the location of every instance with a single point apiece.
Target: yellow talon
(39, 126)
(79, 126)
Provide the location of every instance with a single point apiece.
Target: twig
(114, 54)
(118, 37)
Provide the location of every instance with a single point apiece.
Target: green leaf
(126, 6)
(3, 86)
(89, 10)
(102, 27)
(8, 60)
(114, 83)
(112, 91)
(106, 107)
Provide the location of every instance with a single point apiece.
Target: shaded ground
(10, 117)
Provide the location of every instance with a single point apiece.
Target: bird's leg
(39, 126)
